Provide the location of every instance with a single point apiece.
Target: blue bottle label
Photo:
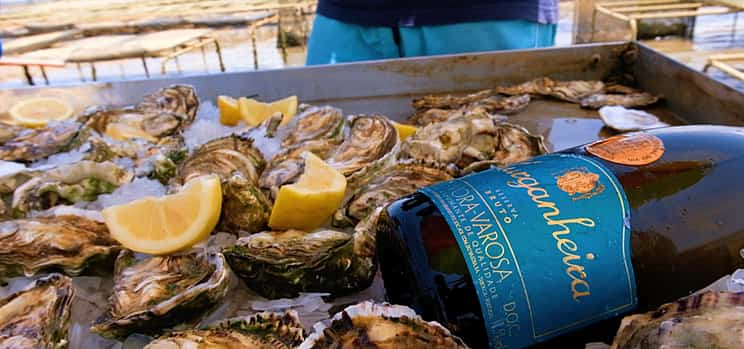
(547, 244)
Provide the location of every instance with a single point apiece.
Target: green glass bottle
(554, 251)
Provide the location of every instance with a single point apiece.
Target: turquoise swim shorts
(334, 41)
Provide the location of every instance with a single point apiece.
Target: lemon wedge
(170, 223)
(122, 132)
(310, 201)
(229, 112)
(404, 130)
(255, 112)
(38, 111)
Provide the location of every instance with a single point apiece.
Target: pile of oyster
(53, 181)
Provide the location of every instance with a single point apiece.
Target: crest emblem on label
(632, 150)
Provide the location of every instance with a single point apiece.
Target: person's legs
(333, 41)
(475, 37)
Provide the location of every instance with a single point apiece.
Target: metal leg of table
(178, 64)
(144, 65)
(733, 28)
(27, 73)
(594, 22)
(93, 73)
(255, 50)
(633, 29)
(219, 55)
(204, 58)
(282, 41)
(44, 74)
(80, 71)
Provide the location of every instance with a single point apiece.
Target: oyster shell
(449, 101)
(155, 122)
(371, 138)
(238, 164)
(66, 184)
(69, 244)
(159, 292)
(571, 91)
(705, 320)
(472, 138)
(380, 326)
(38, 316)
(622, 119)
(283, 264)
(258, 331)
(27, 145)
(632, 100)
(176, 98)
(379, 188)
(488, 104)
(318, 130)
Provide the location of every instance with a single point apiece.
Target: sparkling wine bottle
(553, 251)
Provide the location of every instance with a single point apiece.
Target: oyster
(632, 100)
(161, 291)
(622, 119)
(472, 138)
(180, 99)
(38, 316)
(283, 264)
(155, 122)
(238, 164)
(316, 123)
(380, 326)
(67, 184)
(705, 320)
(371, 138)
(571, 91)
(69, 244)
(27, 145)
(488, 104)
(377, 189)
(450, 101)
(258, 331)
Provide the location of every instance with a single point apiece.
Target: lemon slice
(404, 130)
(122, 132)
(310, 201)
(38, 111)
(229, 112)
(255, 112)
(170, 223)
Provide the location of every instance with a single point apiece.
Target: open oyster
(238, 164)
(159, 292)
(382, 326)
(69, 244)
(571, 91)
(432, 109)
(622, 119)
(378, 188)
(67, 184)
(706, 320)
(161, 114)
(38, 316)
(283, 264)
(258, 331)
(472, 138)
(27, 145)
(319, 130)
(631, 100)
(371, 139)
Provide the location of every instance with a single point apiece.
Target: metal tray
(388, 86)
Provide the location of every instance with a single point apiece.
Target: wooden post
(582, 27)
(293, 30)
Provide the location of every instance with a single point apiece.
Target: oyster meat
(161, 291)
(38, 316)
(68, 184)
(631, 100)
(378, 188)
(238, 164)
(705, 320)
(284, 263)
(571, 91)
(319, 130)
(28, 145)
(371, 139)
(450, 101)
(383, 326)
(472, 138)
(68, 243)
(622, 119)
(258, 331)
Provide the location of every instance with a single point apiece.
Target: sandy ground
(713, 35)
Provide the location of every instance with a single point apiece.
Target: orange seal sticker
(577, 182)
(633, 150)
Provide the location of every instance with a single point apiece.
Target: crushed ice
(137, 189)
(70, 157)
(207, 127)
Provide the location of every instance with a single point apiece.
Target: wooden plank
(21, 61)
(728, 69)
(637, 3)
(673, 14)
(690, 5)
